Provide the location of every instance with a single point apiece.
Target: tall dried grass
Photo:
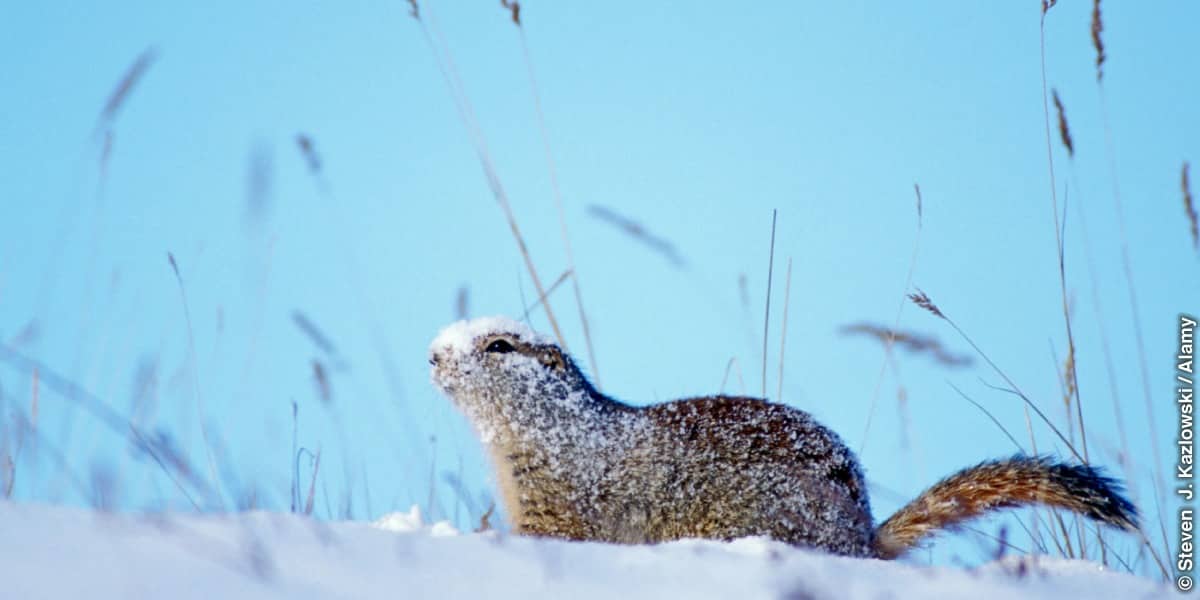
(1158, 478)
(1097, 41)
(1189, 208)
(446, 67)
(922, 300)
(194, 369)
(787, 296)
(914, 343)
(120, 94)
(514, 9)
(637, 232)
(767, 309)
(887, 346)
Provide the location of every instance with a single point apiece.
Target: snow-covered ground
(56, 552)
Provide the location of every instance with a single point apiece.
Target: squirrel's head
(503, 375)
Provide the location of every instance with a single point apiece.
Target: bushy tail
(992, 485)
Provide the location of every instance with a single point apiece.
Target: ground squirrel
(573, 463)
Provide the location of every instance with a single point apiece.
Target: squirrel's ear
(552, 358)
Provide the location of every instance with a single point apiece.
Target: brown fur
(993, 485)
(573, 463)
(707, 472)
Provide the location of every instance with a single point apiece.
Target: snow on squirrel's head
(503, 375)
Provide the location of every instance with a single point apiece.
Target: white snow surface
(460, 336)
(57, 552)
(411, 521)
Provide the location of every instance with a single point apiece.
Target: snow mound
(55, 552)
(411, 521)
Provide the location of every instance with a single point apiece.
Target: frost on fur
(458, 337)
(576, 464)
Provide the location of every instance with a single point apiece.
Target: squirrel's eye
(500, 347)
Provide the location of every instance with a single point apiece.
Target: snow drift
(56, 552)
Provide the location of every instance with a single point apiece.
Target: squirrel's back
(728, 467)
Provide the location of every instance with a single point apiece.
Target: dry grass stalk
(461, 302)
(905, 418)
(787, 295)
(294, 490)
(26, 432)
(187, 315)
(922, 300)
(635, 230)
(1159, 479)
(912, 342)
(157, 446)
(414, 11)
(516, 231)
(314, 333)
(887, 347)
(1064, 132)
(1002, 539)
(920, 210)
(730, 366)
(165, 448)
(1189, 207)
(445, 64)
(321, 380)
(1059, 229)
(335, 212)
(485, 520)
(1072, 386)
(767, 310)
(549, 292)
(103, 488)
(28, 334)
(991, 417)
(8, 467)
(1097, 42)
(1069, 371)
(1068, 377)
(10, 476)
(1047, 5)
(125, 86)
(258, 182)
(106, 146)
(514, 8)
(162, 449)
(309, 152)
(312, 484)
(1066, 535)
(33, 403)
(462, 497)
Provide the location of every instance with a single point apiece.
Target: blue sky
(694, 121)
